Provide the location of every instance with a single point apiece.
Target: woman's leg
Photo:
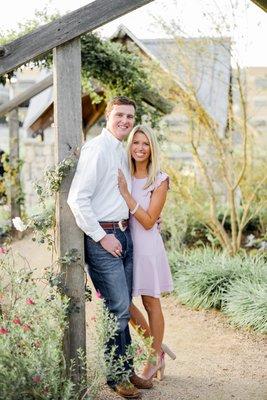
(138, 321)
(156, 321)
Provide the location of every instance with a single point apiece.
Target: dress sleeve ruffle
(161, 177)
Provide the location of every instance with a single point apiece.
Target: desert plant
(245, 302)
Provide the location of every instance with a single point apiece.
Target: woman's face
(140, 148)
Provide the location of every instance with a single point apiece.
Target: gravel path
(214, 360)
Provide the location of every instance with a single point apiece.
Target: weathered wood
(68, 27)
(27, 94)
(157, 101)
(13, 163)
(68, 127)
(261, 3)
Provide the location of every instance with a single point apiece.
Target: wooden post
(13, 164)
(68, 125)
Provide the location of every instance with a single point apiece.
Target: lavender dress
(151, 271)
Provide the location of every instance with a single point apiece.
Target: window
(260, 123)
(3, 120)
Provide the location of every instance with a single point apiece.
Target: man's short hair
(119, 101)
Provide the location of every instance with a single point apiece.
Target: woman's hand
(122, 183)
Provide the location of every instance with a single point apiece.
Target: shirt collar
(112, 140)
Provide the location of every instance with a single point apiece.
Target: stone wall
(38, 156)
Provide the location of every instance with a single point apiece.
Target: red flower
(3, 331)
(26, 328)
(98, 295)
(30, 301)
(36, 378)
(16, 321)
(93, 318)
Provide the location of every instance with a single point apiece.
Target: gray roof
(200, 66)
(38, 104)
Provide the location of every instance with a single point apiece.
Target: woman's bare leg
(156, 321)
(138, 321)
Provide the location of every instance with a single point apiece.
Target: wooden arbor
(62, 36)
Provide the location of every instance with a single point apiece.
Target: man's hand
(111, 244)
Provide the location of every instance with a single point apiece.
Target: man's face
(120, 120)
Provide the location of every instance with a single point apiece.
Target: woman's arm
(146, 218)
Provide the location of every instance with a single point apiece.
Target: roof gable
(200, 66)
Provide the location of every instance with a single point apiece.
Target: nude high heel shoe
(155, 371)
(160, 372)
(168, 351)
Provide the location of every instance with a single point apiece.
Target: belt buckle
(121, 226)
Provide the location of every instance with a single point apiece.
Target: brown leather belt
(124, 223)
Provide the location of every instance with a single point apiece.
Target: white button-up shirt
(94, 195)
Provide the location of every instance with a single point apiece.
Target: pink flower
(36, 378)
(16, 321)
(98, 295)
(30, 301)
(26, 328)
(139, 351)
(4, 331)
(3, 250)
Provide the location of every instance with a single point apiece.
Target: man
(101, 212)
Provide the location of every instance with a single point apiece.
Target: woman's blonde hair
(153, 162)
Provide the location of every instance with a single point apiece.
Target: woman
(151, 274)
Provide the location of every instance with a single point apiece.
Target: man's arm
(84, 183)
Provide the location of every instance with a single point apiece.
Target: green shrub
(246, 303)
(104, 365)
(31, 330)
(202, 277)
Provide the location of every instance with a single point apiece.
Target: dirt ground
(214, 360)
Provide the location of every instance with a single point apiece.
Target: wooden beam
(68, 27)
(13, 122)
(68, 129)
(35, 89)
(157, 101)
(261, 3)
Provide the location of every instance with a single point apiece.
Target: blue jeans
(112, 276)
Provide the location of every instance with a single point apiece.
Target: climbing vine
(105, 64)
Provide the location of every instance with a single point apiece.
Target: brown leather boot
(141, 383)
(127, 390)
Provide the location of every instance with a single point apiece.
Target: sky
(241, 19)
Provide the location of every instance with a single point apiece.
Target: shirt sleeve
(87, 175)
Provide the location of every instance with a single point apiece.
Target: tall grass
(203, 277)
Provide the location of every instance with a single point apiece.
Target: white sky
(249, 24)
